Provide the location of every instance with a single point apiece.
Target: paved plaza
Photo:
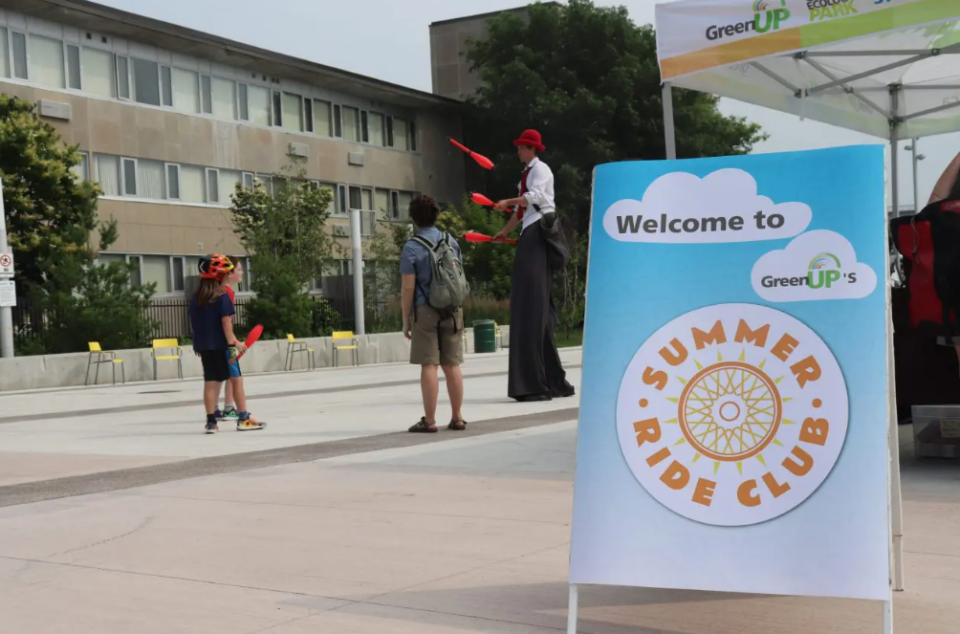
(117, 515)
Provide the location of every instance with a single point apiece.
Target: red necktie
(523, 190)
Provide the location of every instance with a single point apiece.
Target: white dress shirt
(539, 192)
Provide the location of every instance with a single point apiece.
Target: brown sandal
(457, 425)
(423, 427)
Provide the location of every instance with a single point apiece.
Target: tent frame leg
(573, 605)
(669, 133)
(896, 496)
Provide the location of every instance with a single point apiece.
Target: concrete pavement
(456, 534)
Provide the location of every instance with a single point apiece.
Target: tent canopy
(874, 66)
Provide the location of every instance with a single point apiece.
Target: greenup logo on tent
(769, 17)
(821, 10)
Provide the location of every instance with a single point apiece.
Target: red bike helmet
(215, 267)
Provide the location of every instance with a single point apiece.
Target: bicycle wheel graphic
(730, 411)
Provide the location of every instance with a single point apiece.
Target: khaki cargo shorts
(436, 342)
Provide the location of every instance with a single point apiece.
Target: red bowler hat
(530, 138)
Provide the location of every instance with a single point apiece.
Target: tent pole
(896, 495)
(670, 138)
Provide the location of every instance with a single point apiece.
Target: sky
(390, 40)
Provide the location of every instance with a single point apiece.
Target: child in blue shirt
(211, 317)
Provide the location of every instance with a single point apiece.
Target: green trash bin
(485, 335)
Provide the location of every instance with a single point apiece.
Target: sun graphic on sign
(729, 412)
(732, 414)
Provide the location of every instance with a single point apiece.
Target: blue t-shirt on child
(207, 323)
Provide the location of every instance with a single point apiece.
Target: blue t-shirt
(207, 323)
(415, 260)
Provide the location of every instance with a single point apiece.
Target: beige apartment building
(170, 119)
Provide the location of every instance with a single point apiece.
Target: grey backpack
(449, 287)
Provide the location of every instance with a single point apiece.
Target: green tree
(285, 233)
(50, 212)
(587, 78)
(86, 302)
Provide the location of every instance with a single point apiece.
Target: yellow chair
(167, 350)
(295, 347)
(99, 356)
(345, 340)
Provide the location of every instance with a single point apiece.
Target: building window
(375, 128)
(308, 115)
(258, 101)
(399, 138)
(81, 171)
(129, 168)
(166, 86)
(292, 112)
(413, 136)
(322, 118)
(107, 173)
(19, 49)
(155, 269)
(146, 82)
(99, 74)
(4, 53)
(242, 105)
(173, 181)
(351, 124)
(337, 122)
(382, 202)
(213, 185)
(46, 61)
(229, 179)
(224, 98)
(186, 90)
(73, 67)
(361, 198)
(150, 180)
(267, 181)
(403, 206)
(247, 179)
(206, 98)
(136, 273)
(177, 270)
(123, 77)
(277, 109)
(341, 200)
(191, 184)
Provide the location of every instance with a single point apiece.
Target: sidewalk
(458, 535)
(45, 435)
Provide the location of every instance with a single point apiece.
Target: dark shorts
(217, 367)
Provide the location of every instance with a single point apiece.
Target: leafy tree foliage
(587, 78)
(285, 233)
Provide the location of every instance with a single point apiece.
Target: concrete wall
(69, 370)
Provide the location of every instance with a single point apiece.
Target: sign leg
(888, 616)
(572, 606)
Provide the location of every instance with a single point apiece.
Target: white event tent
(887, 68)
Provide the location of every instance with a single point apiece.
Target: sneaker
(249, 424)
(230, 415)
(211, 428)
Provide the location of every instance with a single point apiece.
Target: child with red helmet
(229, 412)
(211, 316)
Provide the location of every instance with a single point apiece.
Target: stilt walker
(536, 373)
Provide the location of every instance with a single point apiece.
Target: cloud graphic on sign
(682, 208)
(818, 265)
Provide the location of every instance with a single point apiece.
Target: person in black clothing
(536, 373)
(948, 185)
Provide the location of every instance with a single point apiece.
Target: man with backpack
(434, 287)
